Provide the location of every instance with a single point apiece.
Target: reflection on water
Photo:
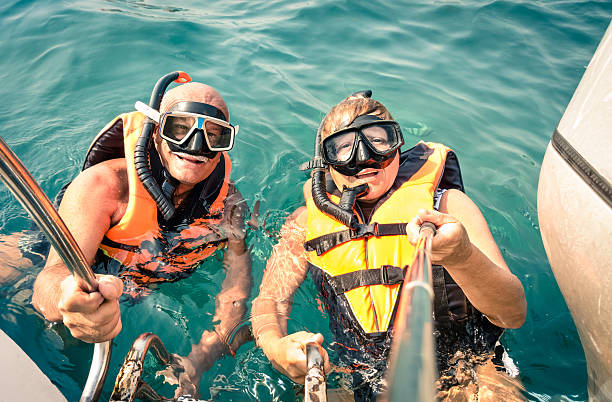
(249, 382)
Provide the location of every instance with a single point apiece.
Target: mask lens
(177, 127)
(219, 137)
(382, 137)
(370, 142)
(339, 147)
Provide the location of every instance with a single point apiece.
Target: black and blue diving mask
(193, 128)
(368, 142)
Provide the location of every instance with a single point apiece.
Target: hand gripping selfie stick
(412, 368)
(23, 186)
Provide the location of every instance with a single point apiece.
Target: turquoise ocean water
(491, 79)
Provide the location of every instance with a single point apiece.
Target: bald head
(194, 92)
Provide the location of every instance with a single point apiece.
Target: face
(379, 181)
(189, 170)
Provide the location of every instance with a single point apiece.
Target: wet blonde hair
(345, 112)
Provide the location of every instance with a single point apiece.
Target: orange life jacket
(142, 248)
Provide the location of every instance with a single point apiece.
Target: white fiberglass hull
(575, 214)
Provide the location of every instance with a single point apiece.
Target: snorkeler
(153, 200)
(356, 234)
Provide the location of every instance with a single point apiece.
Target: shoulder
(294, 229)
(104, 186)
(454, 201)
(460, 205)
(109, 175)
(299, 217)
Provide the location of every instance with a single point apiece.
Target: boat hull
(575, 214)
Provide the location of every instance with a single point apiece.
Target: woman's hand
(288, 354)
(451, 245)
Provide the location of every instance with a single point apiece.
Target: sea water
(490, 79)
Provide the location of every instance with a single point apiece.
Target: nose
(363, 155)
(197, 142)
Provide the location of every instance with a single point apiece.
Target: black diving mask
(194, 128)
(369, 142)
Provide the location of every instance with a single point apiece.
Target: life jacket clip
(364, 230)
(391, 275)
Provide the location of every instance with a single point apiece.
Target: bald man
(130, 243)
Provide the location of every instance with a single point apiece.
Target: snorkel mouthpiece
(141, 160)
(350, 195)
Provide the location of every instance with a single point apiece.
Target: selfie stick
(413, 367)
(27, 191)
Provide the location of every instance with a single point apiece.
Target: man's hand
(92, 317)
(288, 354)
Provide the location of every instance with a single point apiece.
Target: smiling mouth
(366, 174)
(190, 158)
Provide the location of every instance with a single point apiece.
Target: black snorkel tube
(141, 161)
(343, 212)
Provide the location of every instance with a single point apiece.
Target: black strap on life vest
(391, 275)
(328, 241)
(385, 275)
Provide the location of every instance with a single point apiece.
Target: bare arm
(465, 247)
(285, 272)
(230, 303)
(13, 264)
(90, 205)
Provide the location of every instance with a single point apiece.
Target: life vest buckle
(391, 275)
(364, 230)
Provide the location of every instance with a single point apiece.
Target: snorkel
(343, 212)
(141, 160)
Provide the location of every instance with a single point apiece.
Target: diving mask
(194, 128)
(368, 142)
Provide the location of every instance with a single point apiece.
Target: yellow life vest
(146, 251)
(365, 271)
